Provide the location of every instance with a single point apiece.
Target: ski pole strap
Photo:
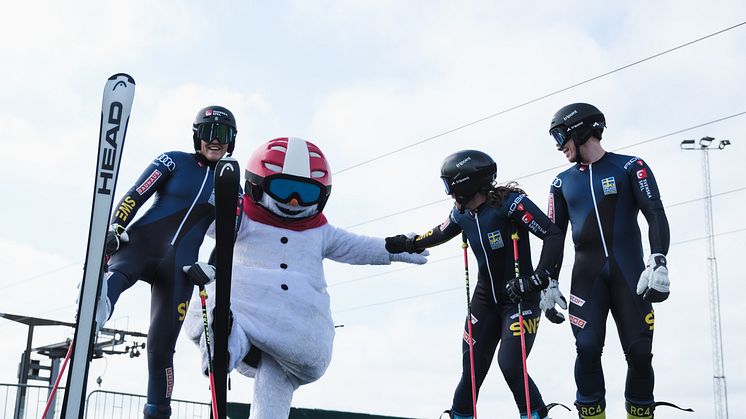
(656, 404)
(551, 405)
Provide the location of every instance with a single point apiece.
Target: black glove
(517, 288)
(400, 244)
(200, 273)
(115, 236)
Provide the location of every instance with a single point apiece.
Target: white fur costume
(280, 304)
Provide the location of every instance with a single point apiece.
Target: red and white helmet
(289, 168)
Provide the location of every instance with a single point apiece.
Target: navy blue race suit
(602, 201)
(494, 316)
(165, 238)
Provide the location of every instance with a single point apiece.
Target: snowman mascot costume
(279, 298)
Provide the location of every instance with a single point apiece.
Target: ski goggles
(283, 188)
(561, 136)
(214, 130)
(448, 184)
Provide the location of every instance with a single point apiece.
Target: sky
(409, 82)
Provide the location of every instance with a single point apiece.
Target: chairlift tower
(107, 342)
(719, 386)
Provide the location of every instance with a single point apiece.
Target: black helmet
(467, 172)
(214, 122)
(577, 121)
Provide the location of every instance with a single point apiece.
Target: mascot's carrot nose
(293, 202)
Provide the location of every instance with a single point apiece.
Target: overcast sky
(362, 79)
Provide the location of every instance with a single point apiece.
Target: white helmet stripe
(297, 161)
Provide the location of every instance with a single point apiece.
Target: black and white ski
(119, 92)
(227, 178)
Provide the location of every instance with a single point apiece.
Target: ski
(118, 94)
(227, 178)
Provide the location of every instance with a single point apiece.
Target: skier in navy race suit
(488, 215)
(601, 196)
(163, 240)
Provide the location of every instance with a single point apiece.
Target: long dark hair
(496, 194)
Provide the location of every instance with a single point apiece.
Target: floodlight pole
(719, 386)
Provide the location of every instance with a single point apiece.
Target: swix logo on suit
(529, 325)
(182, 310)
(650, 320)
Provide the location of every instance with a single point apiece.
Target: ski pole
(465, 246)
(202, 298)
(515, 238)
(57, 380)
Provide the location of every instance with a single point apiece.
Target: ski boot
(591, 411)
(636, 411)
(156, 411)
(452, 415)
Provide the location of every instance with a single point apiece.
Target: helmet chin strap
(578, 156)
(462, 203)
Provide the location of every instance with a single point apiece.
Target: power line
(37, 276)
(408, 267)
(704, 197)
(554, 168)
(512, 108)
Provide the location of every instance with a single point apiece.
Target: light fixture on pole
(720, 388)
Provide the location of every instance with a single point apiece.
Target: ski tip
(123, 76)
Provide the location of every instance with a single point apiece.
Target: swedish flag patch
(609, 185)
(496, 240)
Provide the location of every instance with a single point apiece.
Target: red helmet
(287, 168)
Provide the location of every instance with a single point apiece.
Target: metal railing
(21, 401)
(28, 402)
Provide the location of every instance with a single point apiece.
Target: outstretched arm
(417, 243)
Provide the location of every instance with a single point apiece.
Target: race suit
(602, 201)
(494, 317)
(163, 240)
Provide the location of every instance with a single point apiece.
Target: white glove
(115, 236)
(416, 258)
(549, 297)
(654, 284)
(200, 273)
